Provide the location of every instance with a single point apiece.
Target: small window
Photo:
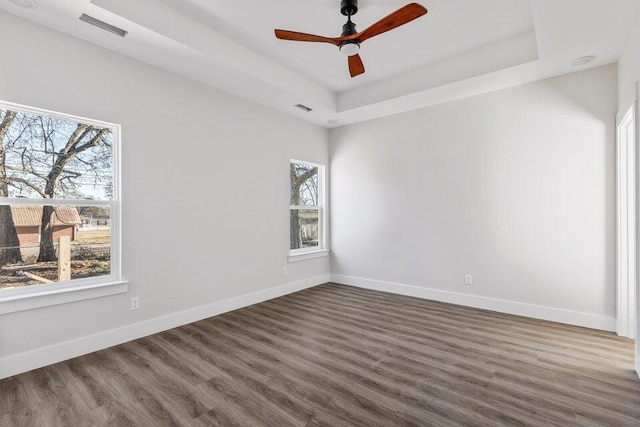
(306, 207)
(59, 171)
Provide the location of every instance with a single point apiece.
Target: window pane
(36, 145)
(37, 254)
(304, 228)
(304, 185)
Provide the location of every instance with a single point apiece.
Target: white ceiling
(460, 48)
(461, 25)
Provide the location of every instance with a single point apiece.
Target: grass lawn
(93, 236)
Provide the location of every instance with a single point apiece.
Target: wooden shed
(27, 219)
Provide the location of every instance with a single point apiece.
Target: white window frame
(320, 250)
(36, 296)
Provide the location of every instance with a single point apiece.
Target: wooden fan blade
(356, 67)
(304, 37)
(400, 17)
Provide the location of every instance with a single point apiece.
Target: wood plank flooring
(340, 356)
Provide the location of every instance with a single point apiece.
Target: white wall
(629, 68)
(628, 75)
(205, 179)
(515, 187)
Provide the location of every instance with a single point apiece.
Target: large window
(58, 201)
(306, 207)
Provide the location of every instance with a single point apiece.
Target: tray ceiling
(460, 48)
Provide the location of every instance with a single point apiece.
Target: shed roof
(31, 215)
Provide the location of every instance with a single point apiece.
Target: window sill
(46, 298)
(303, 256)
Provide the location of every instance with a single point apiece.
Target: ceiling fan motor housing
(349, 29)
(349, 7)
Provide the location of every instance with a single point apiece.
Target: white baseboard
(577, 318)
(23, 362)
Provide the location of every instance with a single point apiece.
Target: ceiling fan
(349, 42)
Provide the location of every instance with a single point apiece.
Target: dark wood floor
(340, 356)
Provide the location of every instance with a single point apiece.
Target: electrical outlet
(468, 279)
(285, 271)
(135, 303)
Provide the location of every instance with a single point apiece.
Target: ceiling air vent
(101, 24)
(27, 4)
(304, 108)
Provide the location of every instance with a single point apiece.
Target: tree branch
(6, 123)
(35, 188)
(77, 135)
(308, 174)
(30, 172)
(92, 142)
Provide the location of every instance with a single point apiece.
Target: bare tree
(9, 243)
(304, 191)
(82, 139)
(49, 157)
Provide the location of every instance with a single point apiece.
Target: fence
(79, 251)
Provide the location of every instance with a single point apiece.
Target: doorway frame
(627, 223)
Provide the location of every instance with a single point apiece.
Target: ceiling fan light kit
(350, 40)
(350, 48)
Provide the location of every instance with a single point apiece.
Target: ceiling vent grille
(304, 108)
(103, 25)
